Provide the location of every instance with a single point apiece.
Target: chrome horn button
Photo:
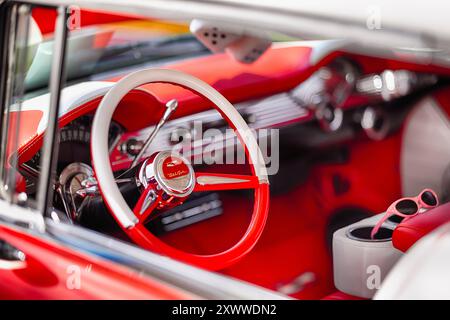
(172, 172)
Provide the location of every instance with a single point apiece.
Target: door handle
(11, 258)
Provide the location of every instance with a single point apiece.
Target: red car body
(49, 268)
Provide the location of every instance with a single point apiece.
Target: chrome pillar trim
(51, 147)
(7, 85)
(18, 90)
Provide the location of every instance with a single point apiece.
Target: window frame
(9, 200)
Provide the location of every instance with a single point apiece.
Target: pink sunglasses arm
(379, 224)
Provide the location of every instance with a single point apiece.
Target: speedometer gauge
(74, 146)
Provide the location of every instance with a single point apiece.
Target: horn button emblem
(174, 168)
(172, 172)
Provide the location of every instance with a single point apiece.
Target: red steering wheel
(168, 177)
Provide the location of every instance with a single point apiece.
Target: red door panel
(52, 271)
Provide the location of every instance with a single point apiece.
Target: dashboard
(336, 102)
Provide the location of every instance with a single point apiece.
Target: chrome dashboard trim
(213, 180)
(274, 111)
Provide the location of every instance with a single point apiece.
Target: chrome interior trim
(50, 146)
(274, 111)
(212, 180)
(173, 187)
(17, 215)
(7, 88)
(171, 106)
(18, 90)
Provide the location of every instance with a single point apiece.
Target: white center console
(360, 263)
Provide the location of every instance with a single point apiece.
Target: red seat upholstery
(338, 295)
(408, 232)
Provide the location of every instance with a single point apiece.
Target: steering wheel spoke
(147, 202)
(223, 181)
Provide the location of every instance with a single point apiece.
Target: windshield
(106, 47)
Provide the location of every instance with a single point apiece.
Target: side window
(16, 57)
(22, 114)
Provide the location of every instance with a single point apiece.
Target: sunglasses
(406, 208)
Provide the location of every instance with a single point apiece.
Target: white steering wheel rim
(102, 120)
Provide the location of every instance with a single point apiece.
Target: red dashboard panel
(236, 81)
(280, 69)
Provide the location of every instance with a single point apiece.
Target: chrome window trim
(50, 146)
(198, 282)
(10, 212)
(13, 214)
(7, 88)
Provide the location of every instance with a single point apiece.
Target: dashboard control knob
(375, 123)
(133, 147)
(330, 118)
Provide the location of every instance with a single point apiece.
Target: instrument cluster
(74, 147)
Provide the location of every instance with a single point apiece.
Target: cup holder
(363, 234)
(355, 254)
